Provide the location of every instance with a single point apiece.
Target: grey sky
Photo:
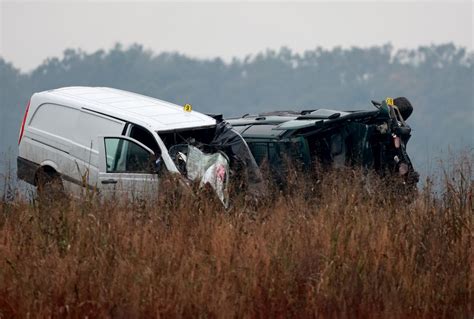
(33, 31)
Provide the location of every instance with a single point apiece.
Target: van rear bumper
(26, 170)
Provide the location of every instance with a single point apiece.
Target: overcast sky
(33, 31)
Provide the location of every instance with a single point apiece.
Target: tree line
(437, 79)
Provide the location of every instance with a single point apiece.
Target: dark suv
(374, 139)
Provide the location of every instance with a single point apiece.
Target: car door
(126, 168)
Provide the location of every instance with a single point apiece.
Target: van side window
(143, 136)
(124, 156)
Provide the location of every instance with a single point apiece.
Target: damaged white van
(119, 142)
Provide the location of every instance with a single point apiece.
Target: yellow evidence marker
(187, 108)
(389, 101)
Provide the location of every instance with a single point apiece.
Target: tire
(49, 187)
(404, 106)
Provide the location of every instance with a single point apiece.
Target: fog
(33, 31)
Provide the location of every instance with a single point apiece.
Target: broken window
(177, 143)
(191, 136)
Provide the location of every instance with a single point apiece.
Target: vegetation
(336, 250)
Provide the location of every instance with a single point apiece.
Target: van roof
(156, 114)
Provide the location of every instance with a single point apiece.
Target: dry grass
(343, 253)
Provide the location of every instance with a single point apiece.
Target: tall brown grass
(336, 248)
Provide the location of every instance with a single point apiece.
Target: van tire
(49, 185)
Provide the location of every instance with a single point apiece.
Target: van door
(127, 168)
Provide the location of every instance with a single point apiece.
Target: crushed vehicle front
(374, 139)
(213, 156)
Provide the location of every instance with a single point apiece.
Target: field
(332, 249)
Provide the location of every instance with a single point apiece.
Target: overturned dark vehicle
(374, 139)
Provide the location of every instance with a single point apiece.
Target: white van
(113, 140)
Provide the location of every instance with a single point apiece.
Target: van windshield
(177, 143)
(190, 136)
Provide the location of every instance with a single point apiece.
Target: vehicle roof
(271, 128)
(153, 113)
(285, 123)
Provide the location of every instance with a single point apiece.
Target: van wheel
(49, 186)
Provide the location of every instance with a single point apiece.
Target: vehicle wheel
(404, 106)
(49, 187)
